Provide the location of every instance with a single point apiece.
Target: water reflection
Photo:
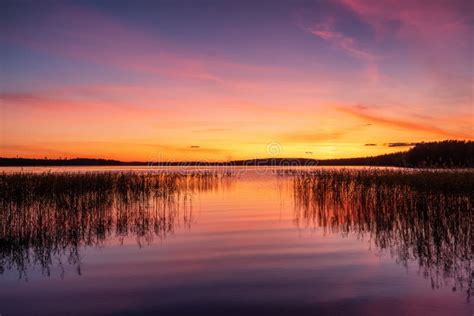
(47, 218)
(415, 216)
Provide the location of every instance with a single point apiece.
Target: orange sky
(320, 81)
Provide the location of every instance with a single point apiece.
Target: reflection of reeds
(49, 216)
(423, 216)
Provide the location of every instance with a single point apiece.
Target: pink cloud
(326, 31)
(428, 20)
(439, 30)
(436, 36)
(93, 37)
(63, 105)
(406, 124)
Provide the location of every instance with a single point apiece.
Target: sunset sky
(222, 80)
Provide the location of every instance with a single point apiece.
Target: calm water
(245, 245)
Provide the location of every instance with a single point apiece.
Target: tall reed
(421, 216)
(47, 217)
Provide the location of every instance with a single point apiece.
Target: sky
(223, 80)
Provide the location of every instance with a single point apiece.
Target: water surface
(241, 245)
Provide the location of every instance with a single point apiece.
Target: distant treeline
(27, 162)
(445, 154)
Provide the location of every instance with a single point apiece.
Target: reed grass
(46, 217)
(422, 216)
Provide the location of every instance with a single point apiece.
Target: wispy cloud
(84, 34)
(406, 124)
(397, 144)
(54, 103)
(315, 136)
(437, 34)
(326, 31)
(400, 144)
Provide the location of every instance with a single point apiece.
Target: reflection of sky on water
(241, 252)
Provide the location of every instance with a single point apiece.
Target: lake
(249, 242)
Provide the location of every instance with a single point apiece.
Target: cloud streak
(401, 123)
(400, 144)
(84, 34)
(326, 31)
